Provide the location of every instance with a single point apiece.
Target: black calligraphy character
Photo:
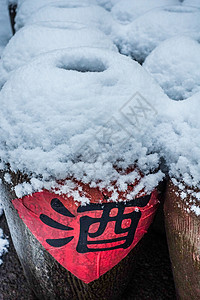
(128, 237)
(86, 222)
(62, 210)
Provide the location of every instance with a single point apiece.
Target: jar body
(48, 279)
(183, 236)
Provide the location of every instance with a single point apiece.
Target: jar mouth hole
(181, 9)
(83, 65)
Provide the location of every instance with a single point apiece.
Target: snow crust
(175, 65)
(128, 10)
(35, 39)
(29, 7)
(141, 36)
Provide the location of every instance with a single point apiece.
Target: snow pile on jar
(71, 114)
(126, 11)
(91, 15)
(27, 8)
(35, 39)
(175, 65)
(138, 38)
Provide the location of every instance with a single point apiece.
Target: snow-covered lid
(126, 11)
(91, 15)
(35, 39)
(28, 7)
(175, 65)
(81, 113)
(141, 36)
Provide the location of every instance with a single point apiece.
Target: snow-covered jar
(175, 65)
(79, 175)
(126, 11)
(182, 199)
(29, 7)
(146, 32)
(182, 221)
(87, 14)
(43, 37)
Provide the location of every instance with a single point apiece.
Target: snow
(3, 240)
(93, 15)
(178, 142)
(5, 30)
(73, 122)
(141, 36)
(29, 7)
(3, 245)
(126, 11)
(191, 3)
(12, 2)
(1, 209)
(175, 65)
(196, 209)
(107, 4)
(33, 40)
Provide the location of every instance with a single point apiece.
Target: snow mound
(79, 121)
(175, 65)
(29, 7)
(126, 11)
(94, 16)
(177, 139)
(33, 40)
(140, 37)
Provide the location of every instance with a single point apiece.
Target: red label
(86, 240)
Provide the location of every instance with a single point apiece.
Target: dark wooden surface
(183, 234)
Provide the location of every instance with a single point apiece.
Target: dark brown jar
(183, 236)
